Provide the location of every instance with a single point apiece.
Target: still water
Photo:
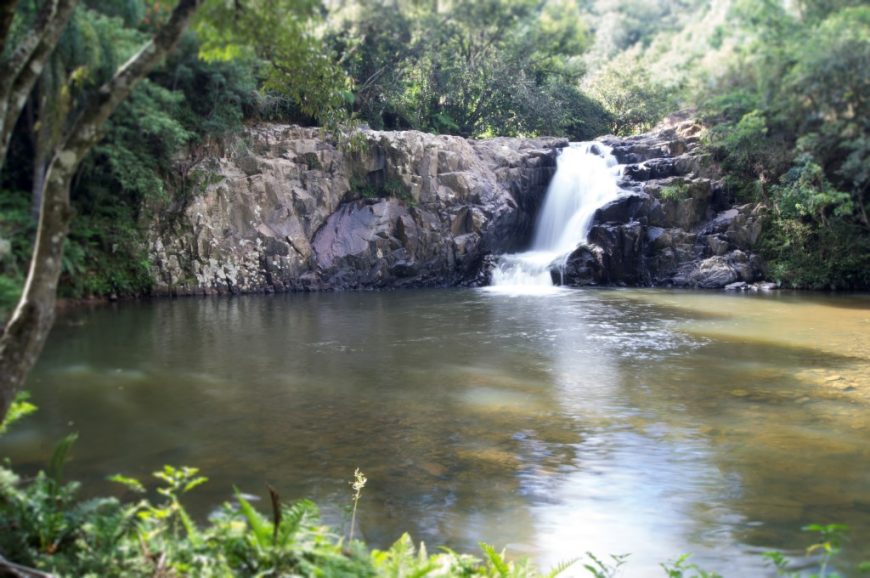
(612, 421)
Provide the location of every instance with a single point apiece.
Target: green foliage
(782, 85)
(600, 569)
(44, 526)
(136, 155)
(19, 408)
(633, 99)
(214, 96)
(376, 186)
(806, 192)
(790, 128)
(803, 254)
(184, 110)
(682, 568)
(830, 543)
(744, 143)
(493, 67)
(293, 59)
(105, 254)
(676, 192)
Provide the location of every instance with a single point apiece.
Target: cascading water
(586, 178)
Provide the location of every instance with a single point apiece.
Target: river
(649, 422)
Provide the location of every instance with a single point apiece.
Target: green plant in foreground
(19, 408)
(600, 569)
(44, 526)
(681, 568)
(358, 483)
(829, 544)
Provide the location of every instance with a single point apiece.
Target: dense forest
(782, 86)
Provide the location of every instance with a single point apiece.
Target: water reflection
(611, 421)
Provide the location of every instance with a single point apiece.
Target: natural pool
(644, 421)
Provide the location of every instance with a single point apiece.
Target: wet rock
(675, 225)
(624, 209)
(583, 267)
(482, 275)
(622, 252)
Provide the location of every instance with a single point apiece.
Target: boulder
(626, 208)
(583, 267)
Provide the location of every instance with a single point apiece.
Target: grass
(677, 192)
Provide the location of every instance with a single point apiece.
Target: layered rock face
(676, 224)
(289, 210)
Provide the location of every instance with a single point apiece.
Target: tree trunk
(25, 335)
(39, 171)
(44, 136)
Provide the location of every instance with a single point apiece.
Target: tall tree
(24, 336)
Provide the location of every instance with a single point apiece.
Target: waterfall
(586, 178)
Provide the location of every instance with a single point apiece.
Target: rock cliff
(675, 225)
(287, 209)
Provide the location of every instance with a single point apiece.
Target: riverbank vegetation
(46, 529)
(782, 87)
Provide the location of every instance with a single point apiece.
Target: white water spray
(586, 179)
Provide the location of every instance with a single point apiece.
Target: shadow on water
(610, 421)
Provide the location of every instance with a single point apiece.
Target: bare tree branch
(13, 570)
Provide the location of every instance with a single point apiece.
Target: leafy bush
(634, 101)
(482, 68)
(676, 192)
(43, 526)
(790, 129)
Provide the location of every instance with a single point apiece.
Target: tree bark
(7, 14)
(25, 335)
(22, 68)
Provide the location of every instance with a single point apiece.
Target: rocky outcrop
(675, 225)
(286, 209)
